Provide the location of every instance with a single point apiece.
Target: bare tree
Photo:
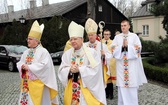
(131, 8)
(3, 7)
(127, 7)
(24, 4)
(121, 5)
(91, 8)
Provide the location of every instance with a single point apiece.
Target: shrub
(148, 46)
(159, 49)
(54, 36)
(161, 52)
(155, 72)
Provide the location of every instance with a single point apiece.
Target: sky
(136, 1)
(18, 6)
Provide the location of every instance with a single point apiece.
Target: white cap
(75, 30)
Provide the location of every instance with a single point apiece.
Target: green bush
(155, 72)
(148, 46)
(159, 49)
(162, 53)
(55, 34)
(155, 67)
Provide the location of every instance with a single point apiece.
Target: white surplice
(91, 77)
(42, 68)
(136, 76)
(123, 94)
(136, 72)
(98, 48)
(98, 45)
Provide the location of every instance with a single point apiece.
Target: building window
(149, 6)
(145, 30)
(100, 8)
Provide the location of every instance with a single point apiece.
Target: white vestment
(91, 77)
(123, 94)
(136, 72)
(108, 54)
(42, 69)
(135, 75)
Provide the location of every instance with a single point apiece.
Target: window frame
(145, 30)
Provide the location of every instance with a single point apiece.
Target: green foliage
(12, 34)
(148, 46)
(155, 72)
(55, 33)
(161, 52)
(163, 40)
(131, 25)
(159, 49)
(161, 9)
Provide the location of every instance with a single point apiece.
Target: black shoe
(107, 92)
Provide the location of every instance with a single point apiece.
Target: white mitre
(75, 30)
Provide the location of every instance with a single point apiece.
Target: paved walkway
(149, 94)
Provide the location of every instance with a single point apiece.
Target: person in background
(37, 72)
(126, 49)
(67, 46)
(112, 79)
(117, 32)
(80, 72)
(102, 50)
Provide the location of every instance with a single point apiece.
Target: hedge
(155, 72)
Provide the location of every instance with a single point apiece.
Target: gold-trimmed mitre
(75, 30)
(36, 30)
(91, 26)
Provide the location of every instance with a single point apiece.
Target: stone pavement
(152, 93)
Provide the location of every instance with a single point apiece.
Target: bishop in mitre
(80, 72)
(91, 30)
(37, 73)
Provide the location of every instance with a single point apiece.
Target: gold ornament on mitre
(91, 26)
(75, 30)
(36, 30)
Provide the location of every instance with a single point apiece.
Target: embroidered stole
(25, 88)
(92, 45)
(29, 86)
(76, 88)
(77, 59)
(126, 72)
